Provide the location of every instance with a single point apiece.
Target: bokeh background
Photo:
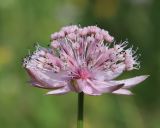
(25, 22)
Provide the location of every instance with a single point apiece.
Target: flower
(83, 60)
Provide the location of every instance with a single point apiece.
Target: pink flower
(83, 60)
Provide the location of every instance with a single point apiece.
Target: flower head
(82, 60)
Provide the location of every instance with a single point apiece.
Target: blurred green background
(25, 22)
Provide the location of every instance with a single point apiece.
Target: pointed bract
(123, 92)
(128, 83)
(62, 90)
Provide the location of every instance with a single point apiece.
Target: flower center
(83, 73)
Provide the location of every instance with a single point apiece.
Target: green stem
(80, 110)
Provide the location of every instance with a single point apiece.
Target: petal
(104, 87)
(128, 83)
(35, 84)
(54, 60)
(45, 79)
(86, 88)
(101, 59)
(60, 76)
(90, 91)
(40, 85)
(122, 92)
(109, 75)
(106, 75)
(62, 90)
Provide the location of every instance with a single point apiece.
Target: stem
(80, 110)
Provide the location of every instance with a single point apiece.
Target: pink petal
(107, 75)
(62, 90)
(36, 84)
(44, 86)
(128, 83)
(101, 59)
(90, 91)
(104, 87)
(86, 88)
(54, 60)
(123, 92)
(45, 79)
(60, 76)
